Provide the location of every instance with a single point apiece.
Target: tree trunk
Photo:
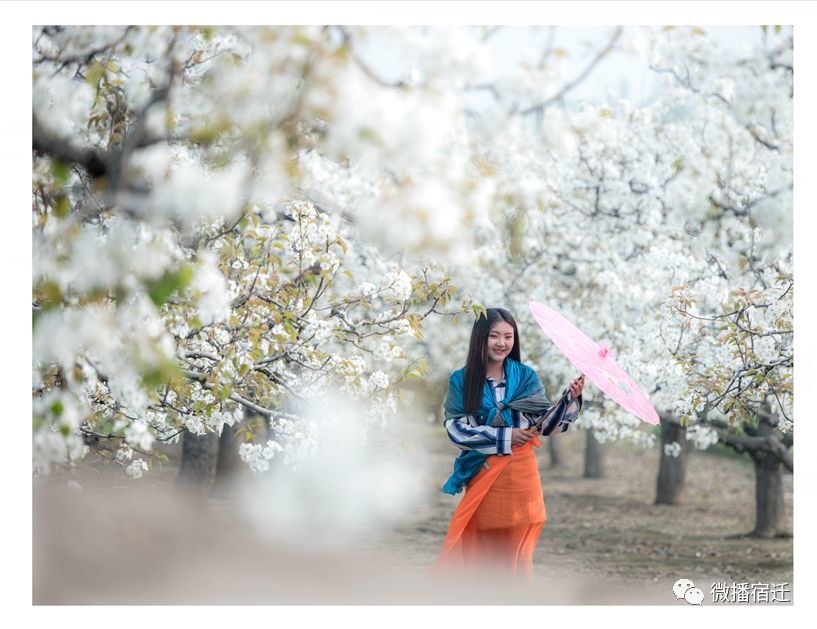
(769, 452)
(228, 465)
(199, 458)
(593, 467)
(555, 450)
(672, 469)
(769, 506)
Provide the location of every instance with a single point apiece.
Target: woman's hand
(576, 387)
(520, 437)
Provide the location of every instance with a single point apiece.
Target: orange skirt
(497, 523)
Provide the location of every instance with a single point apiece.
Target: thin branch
(582, 75)
(97, 436)
(347, 41)
(85, 57)
(200, 378)
(46, 143)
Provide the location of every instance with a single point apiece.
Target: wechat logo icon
(685, 589)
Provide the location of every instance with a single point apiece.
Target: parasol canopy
(594, 361)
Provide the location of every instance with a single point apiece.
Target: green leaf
(153, 379)
(49, 294)
(422, 366)
(94, 73)
(678, 164)
(60, 171)
(161, 289)
(63, 207)
(207, 133)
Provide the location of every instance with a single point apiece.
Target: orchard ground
(605, 542)
(609, 529)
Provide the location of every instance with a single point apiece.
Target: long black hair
(474, 380)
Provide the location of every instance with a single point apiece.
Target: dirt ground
(605, 542)
(608, 530)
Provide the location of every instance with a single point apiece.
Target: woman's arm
(466, 435)
(566, 412)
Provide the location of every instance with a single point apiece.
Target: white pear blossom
(136, 469)
(294, 202)
(672, 449)
(213, 296)
(399, 283)
(138, 435)
(379, 380)
(702, 437)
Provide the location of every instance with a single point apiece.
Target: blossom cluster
(291, 216)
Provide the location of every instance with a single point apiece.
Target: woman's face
(500, 341)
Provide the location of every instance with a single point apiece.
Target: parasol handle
(542, 421)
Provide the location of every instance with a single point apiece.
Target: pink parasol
(594, 361)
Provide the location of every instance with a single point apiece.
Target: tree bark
(228, 464)
(230, 467)
(593, 464)
(770, 454)
(769, 506)
(199, 459)
(672, 470)
(555, 451)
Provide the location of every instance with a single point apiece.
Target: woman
(492, 411)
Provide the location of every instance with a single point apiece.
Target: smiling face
(500, 342)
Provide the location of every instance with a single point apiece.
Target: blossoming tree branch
(239, 217)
